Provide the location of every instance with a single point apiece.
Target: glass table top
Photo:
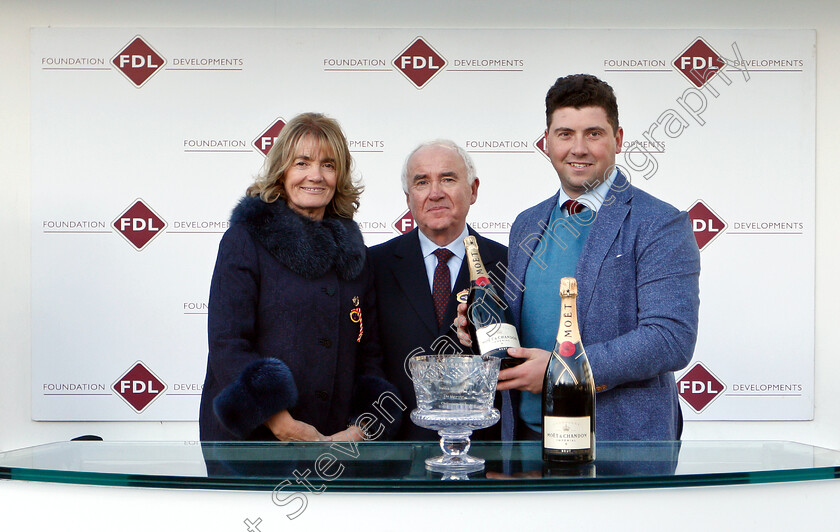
(392, 466)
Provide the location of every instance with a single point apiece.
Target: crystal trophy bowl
(454, 397)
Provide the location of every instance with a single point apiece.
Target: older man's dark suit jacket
(407, 317)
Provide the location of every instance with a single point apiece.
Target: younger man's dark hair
(582, 90)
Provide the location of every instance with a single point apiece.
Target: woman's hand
(527, 376)
(351, 433)
(287, 428)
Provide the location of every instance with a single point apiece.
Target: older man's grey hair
(446, 143)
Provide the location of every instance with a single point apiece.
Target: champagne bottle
(489, 323)
(568, 397)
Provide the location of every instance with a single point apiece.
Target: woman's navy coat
(281, 333)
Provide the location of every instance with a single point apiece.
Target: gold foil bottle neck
(568, 287)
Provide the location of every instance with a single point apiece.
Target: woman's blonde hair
(270, 185)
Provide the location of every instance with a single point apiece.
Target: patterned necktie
(573, 207)
(441, 287)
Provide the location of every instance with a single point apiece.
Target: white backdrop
(185, 143)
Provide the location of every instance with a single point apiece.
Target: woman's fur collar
(307, 247)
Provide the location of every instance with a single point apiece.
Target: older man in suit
(440, 184)
(637, 267)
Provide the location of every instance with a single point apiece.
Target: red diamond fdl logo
(699, 63)
(699, 387)
(541, 146)
(419, 62)
(139, 387)
(138, 61)
(265, 141)
(705, 222)
(139, 224)
(405, 223)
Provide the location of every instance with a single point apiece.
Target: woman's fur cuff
(264, 388)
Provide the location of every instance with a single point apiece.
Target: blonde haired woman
(292, 320)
